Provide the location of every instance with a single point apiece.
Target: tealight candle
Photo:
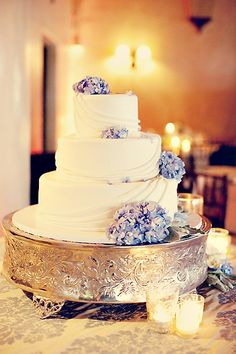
(189, 202)
(189, 314)
(159, 313)
(161, 305)
(218, 242)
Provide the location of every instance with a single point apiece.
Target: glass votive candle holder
(189, 314)
(161, 303)
(218, 242)
(188, 202)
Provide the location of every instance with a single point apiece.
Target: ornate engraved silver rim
(102, 273)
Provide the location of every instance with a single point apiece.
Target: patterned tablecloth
(110, 329)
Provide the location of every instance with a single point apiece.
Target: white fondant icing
(28, 220)
(108, 160)
(91, 206)
(95, 113)
(78, 200)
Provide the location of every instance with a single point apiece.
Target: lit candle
(189, 314)
(189, 202)
(161, 307)
(159, 313)
(185, 146)
(218, 243)
(170, 128)
(122, 57)
(175, 144)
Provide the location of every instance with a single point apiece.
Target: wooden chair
(214, 191)
(187, 183)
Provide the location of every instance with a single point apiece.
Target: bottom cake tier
(64, 270)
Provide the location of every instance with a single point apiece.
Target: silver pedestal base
(100, 273)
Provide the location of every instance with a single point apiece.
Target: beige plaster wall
(23, 23)
(194, 80)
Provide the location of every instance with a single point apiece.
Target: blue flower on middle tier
(139, 223)
(171, 166)
(115, 133)
(125, 180)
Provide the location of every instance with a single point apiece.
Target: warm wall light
(122, 50)
(136, 58)
(76, 50)
(143, 56)
(123, 55)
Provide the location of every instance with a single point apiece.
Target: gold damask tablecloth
(110, 329)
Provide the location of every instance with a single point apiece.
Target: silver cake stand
(56, 271)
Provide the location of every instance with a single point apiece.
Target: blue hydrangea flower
(125, 180)
(180, 219)
(227, 268)
(92, 85)
(138, 223)
(115, 133)
(171, 166)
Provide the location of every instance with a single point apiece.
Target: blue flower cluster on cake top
(171, 166)
(92, 85)
(139, 223)
(115, 133)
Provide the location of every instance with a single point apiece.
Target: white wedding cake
(106, 164)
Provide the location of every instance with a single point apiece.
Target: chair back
(187, 183)
(214, 191)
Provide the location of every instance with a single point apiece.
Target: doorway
(43, 160)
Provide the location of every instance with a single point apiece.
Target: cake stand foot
(45, 307)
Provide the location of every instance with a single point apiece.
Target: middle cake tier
(108, 160)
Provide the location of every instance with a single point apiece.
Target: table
(110, 329)
(230, 172)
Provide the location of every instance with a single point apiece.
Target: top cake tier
(96, 113)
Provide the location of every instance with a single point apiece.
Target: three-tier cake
(106, 164)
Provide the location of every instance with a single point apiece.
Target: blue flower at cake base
(227, 268)
(92, 85)
(171, 166)
(180, 219)
(115, 133)
(139, 223)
